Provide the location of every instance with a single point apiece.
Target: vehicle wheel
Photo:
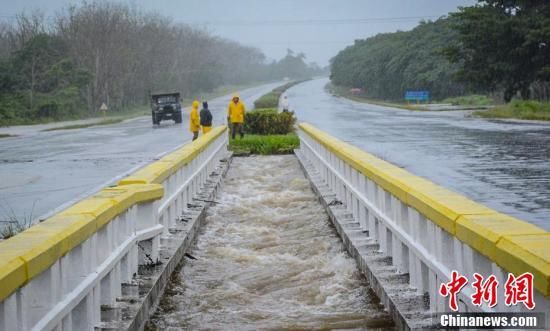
(177, 119)
(156, 121)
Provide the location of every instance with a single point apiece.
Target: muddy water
(267, 258)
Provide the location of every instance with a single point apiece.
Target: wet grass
(345, 93)
(470, 100)
(12, 228)
(11, 224)
(5, 135)
(525, 110)
(107, 121)
(264, 145)
(271, 99)
(127, 112)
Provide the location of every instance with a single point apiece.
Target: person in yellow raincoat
(235, 116)
(194, 121)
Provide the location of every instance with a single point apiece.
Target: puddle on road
(267, 258)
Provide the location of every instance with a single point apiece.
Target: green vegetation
(497, 48)
(269, 121)
(361, 97)
(12, 224)
(11, 228)
(104, 52)
(107, 121)
(470, 100)
(271, 99)
(5, 135)
(39, 81)
(503, 46)
(264, 144)
(527, 110)
(387, 65)
(267, 130)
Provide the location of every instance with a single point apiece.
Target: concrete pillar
(10, 315)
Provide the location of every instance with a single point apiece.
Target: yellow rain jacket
(194, 120)
(236, 111)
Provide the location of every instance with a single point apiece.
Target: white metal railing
(416, 244)
(182, 185)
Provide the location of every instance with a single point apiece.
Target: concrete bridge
(105, 261)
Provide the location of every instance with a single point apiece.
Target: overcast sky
(319, 28)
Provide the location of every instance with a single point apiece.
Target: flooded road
(40, 170)
(267, 258)
(505, 166)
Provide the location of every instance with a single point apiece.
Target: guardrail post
(10, 314)
(34, 300)
(147, 217)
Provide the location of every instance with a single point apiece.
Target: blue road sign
(417, 95)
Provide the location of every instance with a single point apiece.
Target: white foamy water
(268, 258)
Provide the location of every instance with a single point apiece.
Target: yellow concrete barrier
(157, 172)
(32, 251)
(515, 245)
(29, 253)
(528, 252)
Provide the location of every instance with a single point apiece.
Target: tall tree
(388, 64)
(503, 45)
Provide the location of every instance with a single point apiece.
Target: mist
(319, 29)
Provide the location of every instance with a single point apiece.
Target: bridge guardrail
(58, 273)
(428, 230)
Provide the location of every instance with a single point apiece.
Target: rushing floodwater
(503, 165)
(267, 258)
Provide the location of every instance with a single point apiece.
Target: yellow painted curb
(157, 172)
(527, 253)
(32, 251)
(515, 245)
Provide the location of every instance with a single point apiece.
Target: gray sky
(319, 28)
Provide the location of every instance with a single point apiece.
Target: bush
(269, 121)
(265, 145)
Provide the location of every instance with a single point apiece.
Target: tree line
(108, 52)
(496, 47)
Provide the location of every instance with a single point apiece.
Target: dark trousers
(237, 127)
(195, 134)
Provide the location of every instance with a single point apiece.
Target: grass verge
(523, 110)
(5, 135)
(107, 121)
(345, 93)
(129, 112)
(264, 145)
(470, 100)
(271, 99)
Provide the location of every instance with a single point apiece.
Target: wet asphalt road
(505, 166)
(40, 171)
